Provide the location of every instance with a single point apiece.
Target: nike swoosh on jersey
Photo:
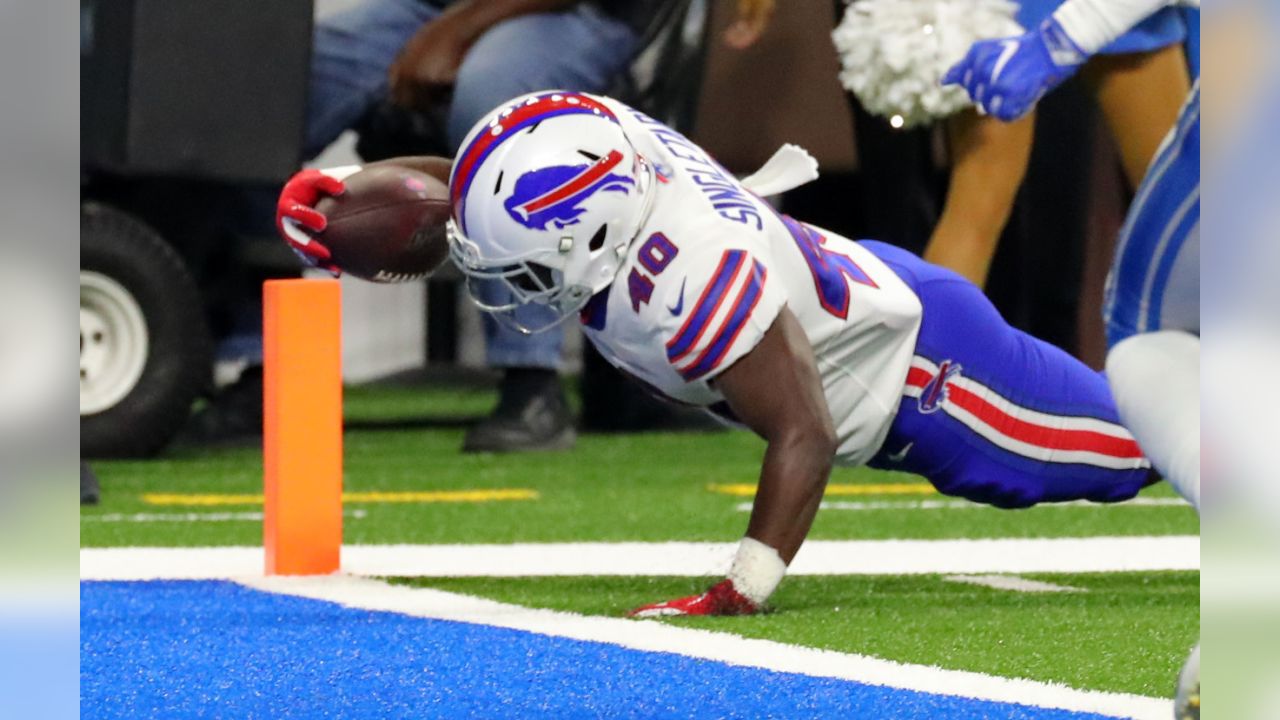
(679, 306)
(901, 454)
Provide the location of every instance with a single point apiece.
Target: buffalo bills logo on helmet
(556, 195)
(935, 391)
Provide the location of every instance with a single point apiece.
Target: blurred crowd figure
(411, 76)
(952, 191)
(1139, 83)
(414, 76)
(447, 64)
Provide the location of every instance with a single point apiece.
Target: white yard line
(1011, 582)
(251, 515)
(817, 557)
(945, 504)
(722, 647)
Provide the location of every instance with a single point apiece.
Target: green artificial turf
(440, 402)
(649, 486)
(611, 487)
(1128, 632)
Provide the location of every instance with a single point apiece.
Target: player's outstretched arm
(436, 167)
(776, 391)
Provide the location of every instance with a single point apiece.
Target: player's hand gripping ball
(383, 224)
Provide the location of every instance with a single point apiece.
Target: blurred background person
(894, 53)
(420, 73)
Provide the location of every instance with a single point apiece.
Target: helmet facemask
(527, 281)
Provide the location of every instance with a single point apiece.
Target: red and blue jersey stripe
(701, 322)
(523, 115)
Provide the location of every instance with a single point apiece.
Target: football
(389, 225)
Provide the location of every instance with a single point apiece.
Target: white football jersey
(713, 266)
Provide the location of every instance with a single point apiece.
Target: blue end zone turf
(217, 649)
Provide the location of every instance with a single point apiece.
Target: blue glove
(1006, 76)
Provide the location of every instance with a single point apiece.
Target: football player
(833, 351)
(1152, 302)
(1153, 293)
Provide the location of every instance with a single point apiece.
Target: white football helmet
(547, 195)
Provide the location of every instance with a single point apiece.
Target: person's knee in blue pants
(352, 52)
(577, 48)
(583, 50)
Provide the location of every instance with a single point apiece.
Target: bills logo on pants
(935, 391)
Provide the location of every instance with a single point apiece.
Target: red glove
(721, 599)
(297, 218)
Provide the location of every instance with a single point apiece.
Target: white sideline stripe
(817, 557)
(354, 513)
(1011, 582)
(865, 505)
(723, 647)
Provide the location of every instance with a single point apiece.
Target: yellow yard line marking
(748, 489)
(411, 496)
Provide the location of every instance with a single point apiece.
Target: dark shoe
(532, 414)
(89, 493)
(233, 416)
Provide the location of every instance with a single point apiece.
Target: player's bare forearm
(436, 167)
(776, 391)
(792, 479)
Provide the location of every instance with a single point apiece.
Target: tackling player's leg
(1153, 327)
(1153, 310)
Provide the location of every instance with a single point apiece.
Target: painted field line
(411, 496)
(817, 557)
(723, 647)
(1011, 582)
(911, 488)
(869, 505)
(252, 515)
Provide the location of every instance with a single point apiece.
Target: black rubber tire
(179, 360)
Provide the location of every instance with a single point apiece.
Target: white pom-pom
(894, 53)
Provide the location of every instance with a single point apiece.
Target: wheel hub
(113, 342)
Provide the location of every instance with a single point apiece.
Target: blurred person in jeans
(457, 60)
(440, 65)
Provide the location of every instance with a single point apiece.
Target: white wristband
(757, 570)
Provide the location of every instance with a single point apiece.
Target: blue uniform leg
(996, 416)
(1152, 309)
(1155, 279)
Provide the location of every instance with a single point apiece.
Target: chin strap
(789, 168)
